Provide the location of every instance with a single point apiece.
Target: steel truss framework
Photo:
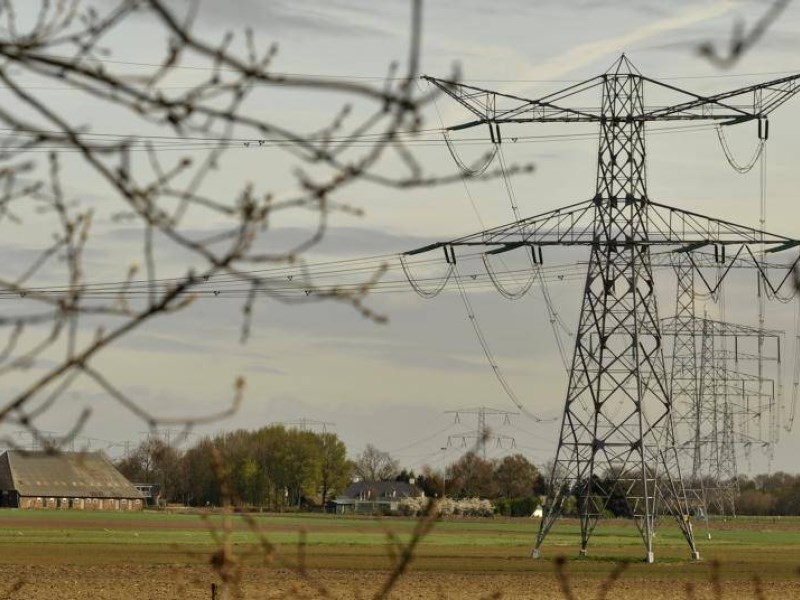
(708, 397)
(482, 434)
(616, 431)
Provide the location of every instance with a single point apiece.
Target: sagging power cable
(487, 352)
(736, 165)
(556, 323)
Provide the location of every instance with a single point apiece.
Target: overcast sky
(391, 384)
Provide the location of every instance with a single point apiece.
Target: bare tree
(375, 465)
(61, 320)
(155, 462)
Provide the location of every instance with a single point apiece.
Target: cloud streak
(591, 52)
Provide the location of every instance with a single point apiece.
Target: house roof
(67, 474)
(381, 490)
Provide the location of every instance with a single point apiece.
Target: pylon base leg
(696, 555)
(650, 558)
(536, 553)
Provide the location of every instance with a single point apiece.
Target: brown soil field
(46, 556)
(42, 582)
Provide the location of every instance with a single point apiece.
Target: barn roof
(67, 474)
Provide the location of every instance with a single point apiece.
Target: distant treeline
(273, 467)
(277, 467)
(774, 494)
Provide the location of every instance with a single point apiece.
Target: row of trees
(475, 477)
(773, 494)
(272, 467)
(275, 467)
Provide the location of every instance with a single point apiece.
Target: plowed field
(102, 555)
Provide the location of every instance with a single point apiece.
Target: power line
(287, 279)
(146, 143)
(422, 440)
(319, 277)
(361, 77)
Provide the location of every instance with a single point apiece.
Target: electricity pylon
(304, 424)
(740, 402)
(752, 400)
(617, 421)
(482, 433)
(707, 394)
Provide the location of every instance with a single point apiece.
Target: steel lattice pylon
(707, 394)
(616, 437)
(684, 381)
(482, 433)
(617, 408)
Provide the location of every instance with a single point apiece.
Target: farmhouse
(375, 497)
(69, 480)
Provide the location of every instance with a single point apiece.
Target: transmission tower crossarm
(480, 409)
(717, 328)
(740, 356)
(494, 108)
(739, 378)
(666, 258)
(716, 107)
(743, 438)
(678, 225)
(573, 225)
(491, 107)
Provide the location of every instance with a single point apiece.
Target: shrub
(467, 507)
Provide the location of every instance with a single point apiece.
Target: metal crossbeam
(574, 225)
(753, 102)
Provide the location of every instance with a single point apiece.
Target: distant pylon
(482, 433)
(707, 395)
(304, 424)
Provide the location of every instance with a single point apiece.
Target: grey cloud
(337, 241)
(399, 354)
(260, 367)
(167, 344)
(288, 16)
(536, 9)
(351, 241)
(179, 341)
(18, 258)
